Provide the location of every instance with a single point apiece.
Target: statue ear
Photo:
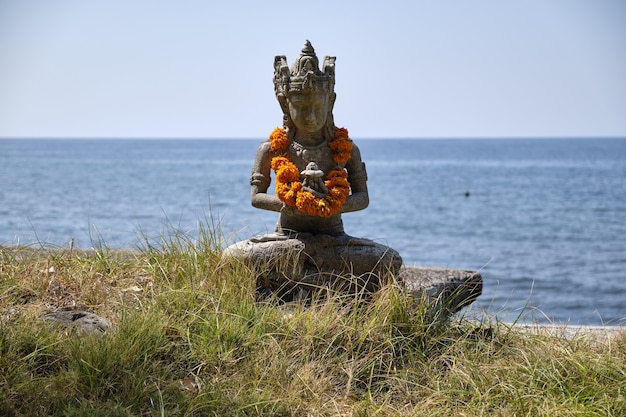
(282, 100)
(331, 100)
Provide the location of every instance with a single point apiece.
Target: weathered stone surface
(310, 261)
(451, 289)
(82, 320)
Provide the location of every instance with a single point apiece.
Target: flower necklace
(289, 188)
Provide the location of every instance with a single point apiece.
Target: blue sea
(544, 220)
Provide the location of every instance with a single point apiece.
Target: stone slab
(568, 331)
(451, 289)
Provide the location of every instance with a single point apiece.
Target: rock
(451, 289)
(286, 266)
(82, 320)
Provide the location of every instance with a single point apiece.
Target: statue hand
(318, 190)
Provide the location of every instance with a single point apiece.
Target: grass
(192, 339)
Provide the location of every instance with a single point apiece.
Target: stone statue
(308, 139)
(318, 175)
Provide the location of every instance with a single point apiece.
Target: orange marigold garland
(278, 139)
(289, 187)
(341, 145)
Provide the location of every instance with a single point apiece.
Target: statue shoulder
(264, 148)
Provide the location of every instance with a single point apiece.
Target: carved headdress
(304, 74)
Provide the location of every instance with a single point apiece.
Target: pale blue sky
(155, 68)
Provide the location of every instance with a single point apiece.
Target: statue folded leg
(319, 261)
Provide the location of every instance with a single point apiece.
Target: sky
(405, 69)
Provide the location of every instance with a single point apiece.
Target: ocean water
(544, 220)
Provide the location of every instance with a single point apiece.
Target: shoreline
(569, 331)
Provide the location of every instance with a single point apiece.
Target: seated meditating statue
(318, 176)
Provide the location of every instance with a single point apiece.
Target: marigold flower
(279, 139)
(279, 161)
(287, 174)
(341, 157)
(341, 132)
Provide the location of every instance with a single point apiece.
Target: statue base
(289, 266)
(444, 289)
(293, 267)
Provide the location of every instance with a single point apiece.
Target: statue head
(303, 88)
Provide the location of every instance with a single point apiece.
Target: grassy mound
(191, 338)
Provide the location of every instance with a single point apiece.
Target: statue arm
(359, 197)
(260, 181)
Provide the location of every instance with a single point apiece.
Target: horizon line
(514, 137)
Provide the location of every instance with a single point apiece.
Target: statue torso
(321, 154)
(301, 156)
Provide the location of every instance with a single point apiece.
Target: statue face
(309, 110)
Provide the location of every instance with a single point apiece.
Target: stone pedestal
(291, 266)
(450, 289)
